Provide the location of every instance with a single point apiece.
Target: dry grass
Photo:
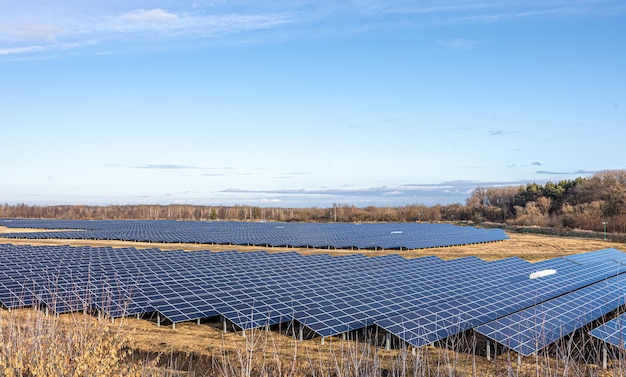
(79, 345)
(35, 344)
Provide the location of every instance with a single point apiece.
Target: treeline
(582, 203)
(336, 213)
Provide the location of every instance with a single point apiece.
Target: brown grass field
(203, 349)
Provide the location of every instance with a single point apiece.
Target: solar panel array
(477, 301)
(419, 300)
(612, 332)
(265, 234)
(534, 328)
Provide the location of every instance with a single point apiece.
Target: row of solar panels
(316, 235)
(418, 300)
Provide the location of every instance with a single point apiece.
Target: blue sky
(305, 103)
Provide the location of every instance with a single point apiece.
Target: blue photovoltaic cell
(596, 256)
(317, 235)
(612, 332)
(530, 330)
(419, 300)
(475, 302)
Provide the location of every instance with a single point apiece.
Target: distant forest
(595, 203)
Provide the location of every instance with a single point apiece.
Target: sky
(305, 103)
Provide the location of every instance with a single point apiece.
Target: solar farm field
(293, 235)
(427, 302)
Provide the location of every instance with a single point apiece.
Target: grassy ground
(205, 350)
(33, 342)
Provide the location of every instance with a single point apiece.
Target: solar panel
(596, 256)
(469, 304)
(612, 332)
(318, 235)
(419, 300)
(532, 329)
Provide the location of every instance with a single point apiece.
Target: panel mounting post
(488, 350)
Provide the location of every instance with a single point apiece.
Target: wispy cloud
(360, 126)
(43, 26)
(458, 44)
(165, 167)
(152, 15)
(31, 31)
(576, 172)
(550, 8)
(72, 29)
(43, 48)
(184, 24)
(428, 194)
(395, 192)
(502, 132)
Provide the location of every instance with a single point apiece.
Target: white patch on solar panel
(542, 273)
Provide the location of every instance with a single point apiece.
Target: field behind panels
(397, 236)
(419, 301)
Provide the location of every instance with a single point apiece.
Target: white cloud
(396, 192)
(41, 48)
(152, 15)
(31, 31)
(47, 24)
(458, 44)
(23, 50)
